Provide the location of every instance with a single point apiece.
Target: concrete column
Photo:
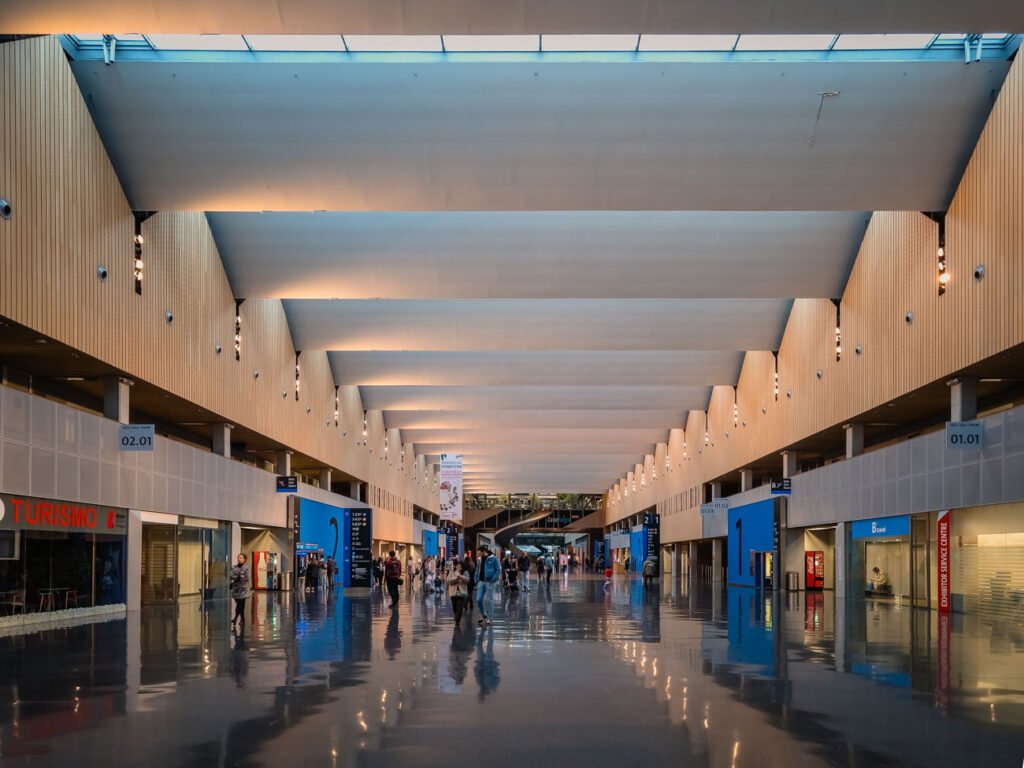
(355, 491)
(222, 439)
(133, 571)
(746, 480)
(116, 398)
(840, 594)
(789, 464)
(716, 490)
(325, 479)
(963, 398)
(236, 544)
(840, 561)
(854, 439)
(691, 560)
(283, 463)
(677, 555)
(716, 560)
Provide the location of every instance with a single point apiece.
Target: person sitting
(878, 583)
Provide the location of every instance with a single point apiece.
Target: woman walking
(240, 589)
(458, 590)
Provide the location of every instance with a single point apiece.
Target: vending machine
(814, 567)
(265, 570)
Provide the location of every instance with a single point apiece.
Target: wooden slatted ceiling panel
(895, 272)
(71, 215)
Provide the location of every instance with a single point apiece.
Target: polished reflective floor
(567, 675)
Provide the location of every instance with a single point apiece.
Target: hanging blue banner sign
(882, 527)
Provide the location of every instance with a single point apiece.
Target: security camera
(5, 208)
(979, 272)
(101, 272)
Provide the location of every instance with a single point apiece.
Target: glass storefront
(57, 555)
(880, 557)
(987, 561)
(187, 560)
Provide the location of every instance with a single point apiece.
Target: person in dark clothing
(393, 577)
(240, 589)
(469, 568)
(524, 572)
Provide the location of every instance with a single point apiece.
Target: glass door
(158, 563)
(919, 561)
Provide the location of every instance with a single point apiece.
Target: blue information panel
(881, 527)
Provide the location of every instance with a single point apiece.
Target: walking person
(469, 567)
(488, 572)
(458, 590)
(549, 566)
(540, 570)
(650, 570)
(524, 571)
(393, 577)
(241, 588)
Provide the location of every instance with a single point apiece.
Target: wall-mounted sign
(135, 437)
(287, 484)
(718, 505)
(361, 540)
(963, 434)
(881, 528)
(945, 577)
(783, 487)
(27, 513)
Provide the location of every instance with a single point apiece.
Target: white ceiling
(506, 16)
(544, 136)
(538, 255)
(541, 265)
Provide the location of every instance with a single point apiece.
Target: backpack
(393, 569)
(649, 568)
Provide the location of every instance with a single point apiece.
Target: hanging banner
(451, 486)
(945, 590)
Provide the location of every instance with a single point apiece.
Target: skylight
(394, 43)
(784, 42)
(295, 42)
(687, 42)
(882, 42)
(491, 43)
(582, 43)
(198, 42)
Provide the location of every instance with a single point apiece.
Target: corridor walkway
(571, 676)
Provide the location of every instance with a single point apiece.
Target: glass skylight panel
(784, 42)
(582, 43)
(295, 42)
(687, 42)
(882, 42)
(130, 37)
(394, 43)
(491, 43)
(198, 42)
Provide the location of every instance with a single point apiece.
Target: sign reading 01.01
(451, 486)
(963, 434)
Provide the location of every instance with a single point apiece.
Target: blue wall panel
(751, 529)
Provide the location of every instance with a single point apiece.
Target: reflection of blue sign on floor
(880, 674)
(751, 639)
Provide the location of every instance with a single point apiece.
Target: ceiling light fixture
(839, 331)
(775, 372)
(298, 374)
(337, 405)
(238, 328)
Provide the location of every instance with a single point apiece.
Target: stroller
(510, 576)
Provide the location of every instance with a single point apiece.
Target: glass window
(394, 43)
(295, 42)
(882, 42)
(198, 42)
(687, 42)
(784, 42)
(491, 43)
(588, 42)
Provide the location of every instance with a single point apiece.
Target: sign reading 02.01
(135, 437)
(451, 486)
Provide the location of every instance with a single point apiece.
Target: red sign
(945, 577)
(21, 512)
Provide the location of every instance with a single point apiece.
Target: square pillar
(746, 480)
(325, 479)
(716, 560)
(116, 398)
(355, 490)
(691, 560)
(716, 490)
(790, 467)
(854, 439)
(963, 398)
(283, 463)
(222, 439)
(676, 562)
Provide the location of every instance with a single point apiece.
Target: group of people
(318, 573)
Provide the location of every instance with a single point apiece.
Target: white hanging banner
(451, 486)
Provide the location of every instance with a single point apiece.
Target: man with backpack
(488, 572)
(393, 577)
(650, 569)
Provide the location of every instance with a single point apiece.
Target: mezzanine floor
(568, 676)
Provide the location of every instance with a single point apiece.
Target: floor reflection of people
(393, 636)
(461, 649)
(486, 670)
(238, 662)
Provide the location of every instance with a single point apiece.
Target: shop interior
(270, 556)
(185, 560)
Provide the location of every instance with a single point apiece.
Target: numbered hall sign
(135, 437)
(963, 434)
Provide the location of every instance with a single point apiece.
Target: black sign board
(287, 484)
(782, 487)
(652, 528)
(361, 538)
